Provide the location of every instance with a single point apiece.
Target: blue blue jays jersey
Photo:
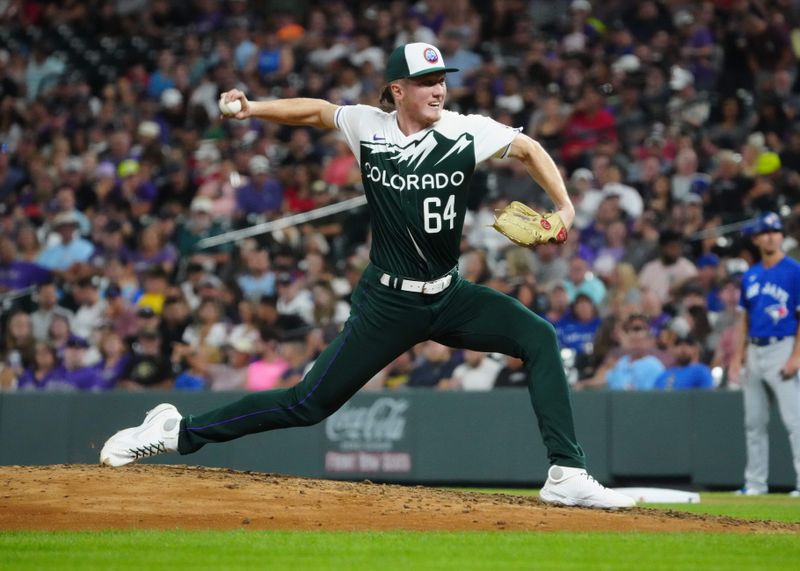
(771, 298)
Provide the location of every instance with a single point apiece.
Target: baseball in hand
(229, 108)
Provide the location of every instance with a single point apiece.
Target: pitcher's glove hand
(526, 227)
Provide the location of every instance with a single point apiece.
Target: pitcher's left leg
(479, 318)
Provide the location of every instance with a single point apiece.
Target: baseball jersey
(693, 376)
(416, 186)
(578, 335)
(634, 374)
(771, 297)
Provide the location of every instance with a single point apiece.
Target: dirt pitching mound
(80, 497)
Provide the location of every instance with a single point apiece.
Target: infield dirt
(82, 497)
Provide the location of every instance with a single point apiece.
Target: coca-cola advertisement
(369, 438)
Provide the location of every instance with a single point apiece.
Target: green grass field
(774, 507)
(407, 551)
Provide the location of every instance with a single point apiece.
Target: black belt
(764, 341)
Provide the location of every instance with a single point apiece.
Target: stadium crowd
(674, 122)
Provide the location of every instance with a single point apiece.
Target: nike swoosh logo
(377, 138)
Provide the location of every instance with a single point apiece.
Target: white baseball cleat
(575, 487)
(749, 492)
(795, 493)
(158, 434)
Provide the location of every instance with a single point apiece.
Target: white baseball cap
(680, 78)
(258, 164)
(413, 60)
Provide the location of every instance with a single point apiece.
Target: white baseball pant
(763, 381)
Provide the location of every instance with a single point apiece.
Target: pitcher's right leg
(382, 325)
(373, 336)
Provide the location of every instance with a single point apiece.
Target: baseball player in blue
(416, 164)
(769, 351)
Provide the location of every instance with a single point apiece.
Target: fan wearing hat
(769, 351)
(263, 193)
(416, 164)
(201, 224)
(148, 367)
(687, 372)
(70, 250)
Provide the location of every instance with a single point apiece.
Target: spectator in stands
(175, 318)
(328, 310)
(207, 334)
(46, 299)
(581, 280)
(110, 245)
(245, 322)
(593, 236)
(114, 357)
(642, 244)
(155, 284)
(75, 371)
(293, 348)
(44, 374)
(65, 202)
(685, 173)
(577, 329)
(665, 275)
(730, 125)
(434, 366)
(342, 168)
(59, 332)
(688, 108)
(153, 252)
(259, 279)
(148, 367)
(28, 245)
(474, 266)
(557, 302)
(91, 307)
(395, 375)
(613, 250)
(635, 366)
(272, 61)
(119, 314)
(18, 341)
(265, 373)
(687, 372)
(71, 250)
(146, 318)
(200, 225)
(589, 124)
(263, 194)
(630, 201)
(512, 375)
(17, 274)
(294, 298)
(725, 336)
(477, 373)
(231, 374)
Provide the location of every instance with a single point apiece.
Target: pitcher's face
(421, 99)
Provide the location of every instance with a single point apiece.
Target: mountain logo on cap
(430, 55)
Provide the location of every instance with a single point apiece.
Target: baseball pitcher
(416, 164)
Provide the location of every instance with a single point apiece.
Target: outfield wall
(423, 436)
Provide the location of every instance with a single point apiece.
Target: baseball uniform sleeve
(357, 123)
(492, 139)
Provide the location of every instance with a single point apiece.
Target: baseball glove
(526, 227)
